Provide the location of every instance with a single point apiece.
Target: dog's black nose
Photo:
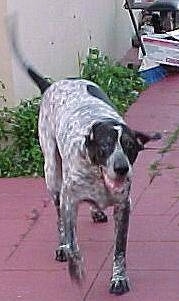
(121, 168)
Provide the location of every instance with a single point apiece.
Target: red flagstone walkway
(28, 271)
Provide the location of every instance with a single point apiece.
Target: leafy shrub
(121, 84)
(22, 156)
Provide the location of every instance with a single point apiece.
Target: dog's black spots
(101, 142)
(99, 217)
(119, 287)
(73, 78)
(98, 93)
(60, 255)
(57, 199)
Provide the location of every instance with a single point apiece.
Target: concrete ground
(28, 235)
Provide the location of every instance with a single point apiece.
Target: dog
(89, 152)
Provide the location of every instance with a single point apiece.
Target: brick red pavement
(28, 236)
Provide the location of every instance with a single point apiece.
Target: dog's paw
(119, 287)
(99, 217)
(60, 255)
(75, 266)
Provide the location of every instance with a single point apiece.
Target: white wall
(51, 34)
(124, 29)
(5, 58)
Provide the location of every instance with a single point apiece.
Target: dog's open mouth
(113, 185)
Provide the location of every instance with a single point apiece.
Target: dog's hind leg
(53, 178)
(119, 281)
(60, 254)
(98, 215)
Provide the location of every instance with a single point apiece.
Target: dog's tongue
(113, 184)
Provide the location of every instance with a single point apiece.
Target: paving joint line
(97, 274)
(36, 216)
(155, 174)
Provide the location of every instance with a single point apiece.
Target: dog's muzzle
(115, 177)
(121, 167)
(113, 185)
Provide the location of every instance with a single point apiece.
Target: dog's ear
(143, 138)
(90, 145)
(91, 136)
(88, 139)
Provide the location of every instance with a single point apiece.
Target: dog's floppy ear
(143, 138)
(91, 136)
(90, 143)
(88, 139)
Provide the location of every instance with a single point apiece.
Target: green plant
(154, 170)
(22, 155)
(170, 141)
(121, 84)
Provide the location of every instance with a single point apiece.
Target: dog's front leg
(119, 282)
(68, 211)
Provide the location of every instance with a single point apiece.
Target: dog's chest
(90, 186)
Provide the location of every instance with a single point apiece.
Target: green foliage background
(121, 84)
(20, 153)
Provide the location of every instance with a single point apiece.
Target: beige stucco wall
(52, 33)
(5, 57)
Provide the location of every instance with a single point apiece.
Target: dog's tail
(39, 80)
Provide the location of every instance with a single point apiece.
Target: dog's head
(114, 148)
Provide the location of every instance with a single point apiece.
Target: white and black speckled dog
(89, 152)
